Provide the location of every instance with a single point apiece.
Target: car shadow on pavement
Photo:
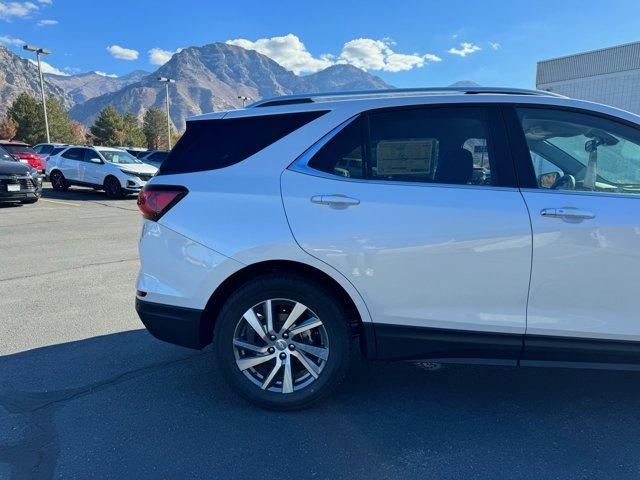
(81, 194)
(128, 406)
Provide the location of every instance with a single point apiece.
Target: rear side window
(213, 144)
(343, 154)
(74, 154)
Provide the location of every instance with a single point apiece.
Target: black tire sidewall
(117, 192)
(60, 186)
(293, 288)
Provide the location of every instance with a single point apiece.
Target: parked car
(45, 150)
(280, 232)
(154, 157)
(24, 153)
(113, 170)
(19, 183)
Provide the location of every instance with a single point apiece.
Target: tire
(285, 292)
(27, 202)
(112, 188)
(58, 182)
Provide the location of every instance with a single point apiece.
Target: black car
(18, 181)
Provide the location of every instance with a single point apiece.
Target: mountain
(465, 83)
(212, 77)
(18, 75)
(84, 86)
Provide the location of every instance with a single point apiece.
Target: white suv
(465, 225)
(112, 169)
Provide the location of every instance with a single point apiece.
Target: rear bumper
(178, 325)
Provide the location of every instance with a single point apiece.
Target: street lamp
(244, 99)
(41, 51)
(166, 82)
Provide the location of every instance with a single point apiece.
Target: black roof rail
(392, 92)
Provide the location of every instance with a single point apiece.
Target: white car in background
(113, 170)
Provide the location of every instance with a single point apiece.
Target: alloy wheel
(281, 345)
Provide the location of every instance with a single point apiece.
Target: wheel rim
(112, 187)
(281, 345)
(56, 180)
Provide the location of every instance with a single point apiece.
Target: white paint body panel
(584, 281)
(437, 256)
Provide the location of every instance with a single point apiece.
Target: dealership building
(609, 75)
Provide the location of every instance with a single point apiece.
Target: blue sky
(407, 43)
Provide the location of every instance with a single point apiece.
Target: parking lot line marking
(60, 202)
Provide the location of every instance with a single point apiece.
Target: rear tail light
(156, 200)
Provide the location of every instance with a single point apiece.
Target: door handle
(569, 213)
(335, 201)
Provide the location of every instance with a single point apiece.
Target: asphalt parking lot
(85, 392)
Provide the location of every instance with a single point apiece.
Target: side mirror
(95, 160)
(547, 180)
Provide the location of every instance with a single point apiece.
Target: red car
(23, 152)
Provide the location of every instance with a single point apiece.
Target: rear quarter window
(214, 144)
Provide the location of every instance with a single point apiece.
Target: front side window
(91, 155)
(577, 151)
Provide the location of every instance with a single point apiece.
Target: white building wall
(610, 76)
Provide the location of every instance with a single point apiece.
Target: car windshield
(4, 155)
(19, 149)
(119, 156)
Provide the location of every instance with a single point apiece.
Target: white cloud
(123, 53)
(8, 40)
(103, 74)
(494, 45)
(369, 54)
(465, 49)
(48, 68)
(158, 56)
(46, 2)
(10, 10)
(47, 23)
(364, 53)
(288, 51)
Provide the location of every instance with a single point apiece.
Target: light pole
(244, 99)
(166, 82)
(41, 51)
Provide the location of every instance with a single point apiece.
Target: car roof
(359, 101)
(13, 142)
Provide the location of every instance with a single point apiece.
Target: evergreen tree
(133, 134)
(154, 126)
(26, 112)
(108, 130)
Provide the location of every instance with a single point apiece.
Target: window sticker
(413, 156)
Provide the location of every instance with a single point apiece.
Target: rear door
(581, 179)
(418, 209)
(70, 163)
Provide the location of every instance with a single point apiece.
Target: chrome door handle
(335, 201)
(569, 213)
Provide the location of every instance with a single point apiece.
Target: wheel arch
(358, 315)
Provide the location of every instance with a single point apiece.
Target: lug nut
(271, 350)
(283, 356)
(292, 346)
(272, 337)
(285, 335)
